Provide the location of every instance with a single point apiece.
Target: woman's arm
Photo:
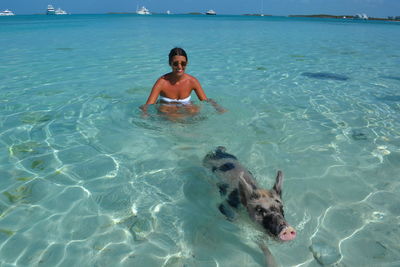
(155, 91)
(198, 89)
(216, 106)
(202, 96)
(152, 99)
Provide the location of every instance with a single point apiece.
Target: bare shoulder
(163, 79)
(192, 79)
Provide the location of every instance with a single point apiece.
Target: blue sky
(373, 8)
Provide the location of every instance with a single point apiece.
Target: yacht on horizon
(7, 13)
(59, 11)
(361, 16)
(143, 11)
(50, 10)
(211, 12)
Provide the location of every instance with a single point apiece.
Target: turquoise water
(85, 180)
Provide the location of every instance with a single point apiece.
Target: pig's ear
(278, 183)
(221, 148)
(247, 190)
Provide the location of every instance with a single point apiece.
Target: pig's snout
(287, 234)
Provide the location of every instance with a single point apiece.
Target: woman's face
(178, 65)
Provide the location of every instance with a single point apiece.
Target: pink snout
(287, 234)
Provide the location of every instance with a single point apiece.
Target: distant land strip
(261, 15)
(326, 16)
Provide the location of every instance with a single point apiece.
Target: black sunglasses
(176, 63)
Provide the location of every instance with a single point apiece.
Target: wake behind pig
(240, 188)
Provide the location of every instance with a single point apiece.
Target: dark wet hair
(177, 51)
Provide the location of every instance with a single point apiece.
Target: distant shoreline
(326, 16)
(322, 16)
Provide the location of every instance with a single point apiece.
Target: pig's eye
(259, 210)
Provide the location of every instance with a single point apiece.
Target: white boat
(50, 10)
(361, 16)
(211, 12)
(6, 13)
(59, 11)
(143, 11)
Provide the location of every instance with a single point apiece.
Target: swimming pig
(263, 206)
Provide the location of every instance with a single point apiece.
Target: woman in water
(173, 89)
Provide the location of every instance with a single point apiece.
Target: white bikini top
(179, 101)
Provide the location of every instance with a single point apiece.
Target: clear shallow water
(85, 180)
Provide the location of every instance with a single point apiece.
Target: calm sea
(85, 180)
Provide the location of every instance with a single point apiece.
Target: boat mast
(262, 8)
